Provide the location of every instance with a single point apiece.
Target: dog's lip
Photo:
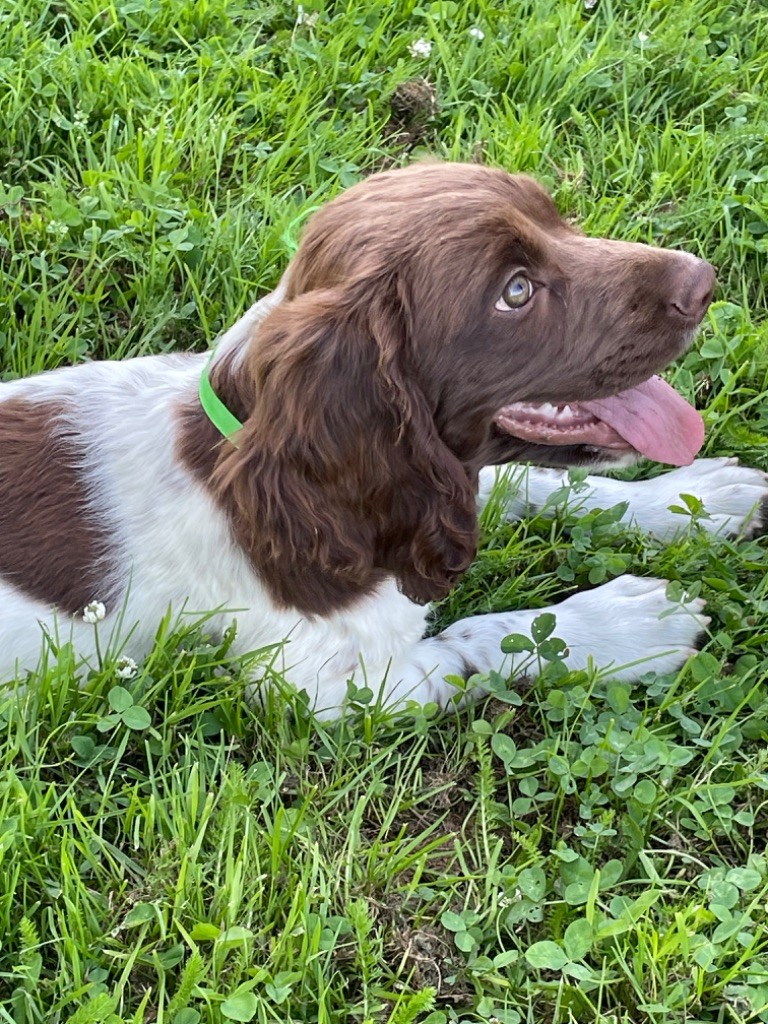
(567, 423)
(650, 418)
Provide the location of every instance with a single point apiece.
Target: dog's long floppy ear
(340, 475)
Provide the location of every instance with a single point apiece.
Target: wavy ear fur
(341, 477)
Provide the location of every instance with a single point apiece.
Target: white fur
(178, 555)
(731, 494)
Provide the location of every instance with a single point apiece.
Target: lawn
(575, 849)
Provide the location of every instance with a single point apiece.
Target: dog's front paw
(735, 497)
(629, 627)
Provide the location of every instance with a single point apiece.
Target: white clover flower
(55, 227)
(420, 48)
(308, 18)
(94, 612)
(643, 37)
(126, 668)
(477, 33)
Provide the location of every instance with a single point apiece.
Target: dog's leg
(628, 627)
(734, 497)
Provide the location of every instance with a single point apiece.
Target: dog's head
(507, 313)
(437, 318)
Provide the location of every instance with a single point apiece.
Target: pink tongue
(655, 419)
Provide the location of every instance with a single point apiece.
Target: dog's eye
(517, 291)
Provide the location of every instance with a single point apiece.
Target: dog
(436, 322)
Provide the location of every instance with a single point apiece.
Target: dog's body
(350, 499)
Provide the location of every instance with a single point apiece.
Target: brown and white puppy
(434, 320)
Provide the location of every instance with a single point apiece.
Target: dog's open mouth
(652, 419)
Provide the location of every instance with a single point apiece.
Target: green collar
(225, 421)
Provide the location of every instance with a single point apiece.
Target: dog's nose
(692, 291)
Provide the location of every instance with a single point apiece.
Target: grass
(572, 850)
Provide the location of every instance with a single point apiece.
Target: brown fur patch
(50, 546)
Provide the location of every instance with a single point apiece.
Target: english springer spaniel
(435, 321)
